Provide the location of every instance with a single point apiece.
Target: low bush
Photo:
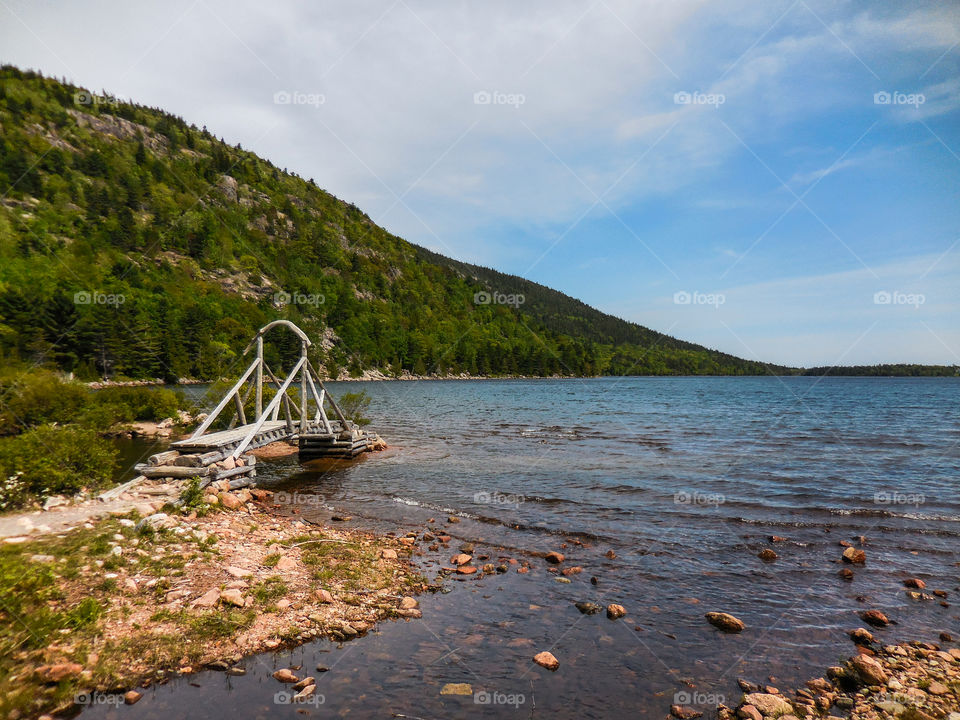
(34, 397)
(50, 460)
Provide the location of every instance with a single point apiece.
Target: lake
(665, 490)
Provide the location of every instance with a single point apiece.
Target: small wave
(430, 506)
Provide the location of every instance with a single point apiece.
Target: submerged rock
(725, 622)
(588, 608)
(875, 618)
(285, 675)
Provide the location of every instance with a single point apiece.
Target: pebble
(131, 696)
(554, 558)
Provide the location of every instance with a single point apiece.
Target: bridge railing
(309, 380)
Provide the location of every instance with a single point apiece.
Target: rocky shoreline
(171, 593)
(909, 681)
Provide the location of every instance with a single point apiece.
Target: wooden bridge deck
(270, 431)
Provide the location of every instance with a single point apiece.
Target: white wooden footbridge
(301, 396)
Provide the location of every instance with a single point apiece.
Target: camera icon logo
(481, 298)
(281, 298)
(881, 98)
(681, 297)
(882, 298)
(84, 297)
(281, 97)
(482, 97)
(682, 98)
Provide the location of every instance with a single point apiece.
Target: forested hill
(135, 245)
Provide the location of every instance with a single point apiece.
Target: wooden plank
(163, 458)
(172, 471)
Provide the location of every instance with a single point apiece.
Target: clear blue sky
(629, 154)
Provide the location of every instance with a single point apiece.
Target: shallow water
(684, 479)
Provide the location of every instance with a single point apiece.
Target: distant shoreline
(369, 377)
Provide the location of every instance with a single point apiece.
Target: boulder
(854, 556)
(304, 683)
(767, 704)
(285, 675)
(230, 501)
(546, 659)
(615, 612)
(208, 599)
(767, 554)
(233, 597)
(286, 564)
(868, 670)
(875, 618)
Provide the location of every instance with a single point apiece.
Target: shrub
(354, 405)
(138, 403)
(36, 397)
(56, 460)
